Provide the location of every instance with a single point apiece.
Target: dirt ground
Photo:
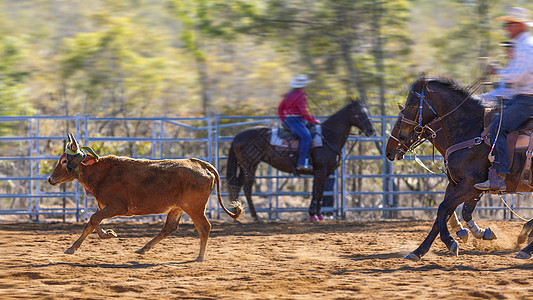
(272, 260)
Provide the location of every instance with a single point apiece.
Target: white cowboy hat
(517, 14)
(300, 81)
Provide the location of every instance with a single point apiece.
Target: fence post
(343, 180)
(214, 133)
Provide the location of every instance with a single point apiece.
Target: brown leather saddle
(519, 141)
(291, 142)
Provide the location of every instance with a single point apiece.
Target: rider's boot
(485, 186)
(304, 168)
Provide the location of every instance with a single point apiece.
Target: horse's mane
(453, 85)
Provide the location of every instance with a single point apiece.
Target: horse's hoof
(454, 248)
(522, 239)
(489, 235)
(140, 251)
(69, 251)
(523, 255)
(412, 257)
(463, 235)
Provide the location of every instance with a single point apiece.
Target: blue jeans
(297, 126)
(519, 110)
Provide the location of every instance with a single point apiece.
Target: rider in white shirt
(518, 74)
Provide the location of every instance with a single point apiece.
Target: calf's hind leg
(204, 228)
(171, 224)
(197, 214)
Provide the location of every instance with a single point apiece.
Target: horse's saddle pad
(276, 140)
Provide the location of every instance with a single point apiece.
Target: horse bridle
(339, 152)
(418, 128)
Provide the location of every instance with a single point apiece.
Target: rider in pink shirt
(293, 112)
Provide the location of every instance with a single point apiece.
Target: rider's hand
(491, 68)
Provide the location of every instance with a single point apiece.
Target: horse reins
(419, 129)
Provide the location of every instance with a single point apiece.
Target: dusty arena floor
(280, 260)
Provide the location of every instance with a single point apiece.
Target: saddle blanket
(275, 140)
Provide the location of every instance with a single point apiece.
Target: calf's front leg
(95, 219)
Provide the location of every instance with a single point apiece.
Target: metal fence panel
(366, 185)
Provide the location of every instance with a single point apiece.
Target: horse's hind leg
(452, 199)
(319, 179)
(247, 188)
(468, 208)
(171, 224)
(526, 252)
(526, 233)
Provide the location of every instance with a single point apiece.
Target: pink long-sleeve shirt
(295, 104)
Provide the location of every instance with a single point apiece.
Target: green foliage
(12, 80)
(188, 58)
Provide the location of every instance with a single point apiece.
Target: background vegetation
(176, 58)
(189, 58)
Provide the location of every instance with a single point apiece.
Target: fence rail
(366, 183)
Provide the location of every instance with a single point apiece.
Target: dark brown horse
(395, 150)
(252, 146)
(461, 118)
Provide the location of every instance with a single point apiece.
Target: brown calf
(125, 186)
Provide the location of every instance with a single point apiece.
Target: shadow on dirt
(127, 265)
(219, 228)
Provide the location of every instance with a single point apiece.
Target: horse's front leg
(468, 208)
(457, 227)
(319, 179)
(454, 196)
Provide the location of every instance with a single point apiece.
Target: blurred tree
(461, 51)
(13, 100)
(113, 68)
(337, 41)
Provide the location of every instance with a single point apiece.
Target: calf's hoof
(530, 239)
(69, 251)
(489, 235)
(412, 256)
(463, 235)
(523, 255)
(107, 234)
(141, 251)
(454, 248)
(110, 233)
(199, 259)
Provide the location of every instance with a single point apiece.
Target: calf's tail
(237, 205)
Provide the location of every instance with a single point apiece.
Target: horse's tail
(235, 181)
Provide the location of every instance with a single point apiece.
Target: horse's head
(360, 118)
(414, 123)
